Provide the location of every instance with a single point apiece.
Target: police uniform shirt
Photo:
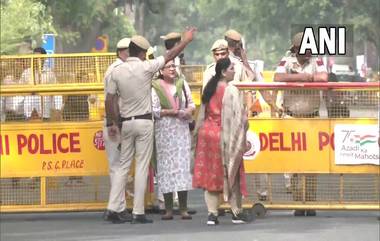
(238, 77)
(107, 75)
(245, 75)
(258, 74)
(301, 101)
(133, 81)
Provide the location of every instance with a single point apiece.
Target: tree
(23, 21)
(266, 25)
(78, 23)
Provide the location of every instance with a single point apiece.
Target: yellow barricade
(326, 160)
(57, 162)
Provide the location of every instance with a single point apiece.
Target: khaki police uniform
(301, 104)
(133, 80)
(111, 145)
(244, 74)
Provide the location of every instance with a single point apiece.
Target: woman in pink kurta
(219, 144)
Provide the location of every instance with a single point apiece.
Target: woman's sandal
(186, 216)
(167, 217)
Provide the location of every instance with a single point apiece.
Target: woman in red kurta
(220, 143)
(208, 169)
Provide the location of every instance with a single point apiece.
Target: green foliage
(23, 21)
(79, 22)
(120, 28)
(266, 25)
(76, 23)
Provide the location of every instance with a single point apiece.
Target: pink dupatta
(174, 101)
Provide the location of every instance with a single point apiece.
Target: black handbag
(192, 123)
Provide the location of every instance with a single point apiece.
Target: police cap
(123, 43)
(233, 34)
(141, 42)
(297, 39)
(219, 44)
(172, 35)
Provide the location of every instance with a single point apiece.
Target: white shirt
(13, 103)
(46, 76)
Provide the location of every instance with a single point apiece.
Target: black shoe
(191, 211)
(106, 215)
(299, 213)
(140, 219)
(311, 213)
(240, 218)
(121, 217)
(212, 220)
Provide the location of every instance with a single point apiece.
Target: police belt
(137, 117)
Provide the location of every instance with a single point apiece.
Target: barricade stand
(57, 162)
(325, 161)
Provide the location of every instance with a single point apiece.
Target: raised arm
(176, 50)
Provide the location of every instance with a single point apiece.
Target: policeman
(112, 140)
(219, 50)
(171, 40)
(301, 68)
(301, 103)
(133, 81)
(238, 55)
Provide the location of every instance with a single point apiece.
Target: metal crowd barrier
(327, 158)
(42, 75)
(51, 146)
(56, 161)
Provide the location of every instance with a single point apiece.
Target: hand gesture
(243, 54)
(189, 34)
